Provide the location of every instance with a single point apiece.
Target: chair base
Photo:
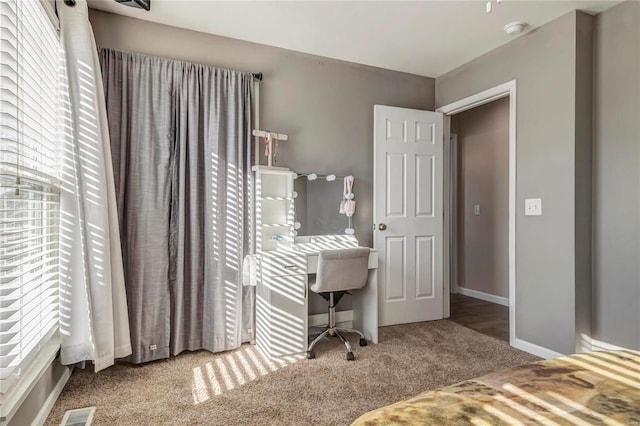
(332, 330)
(337, 332)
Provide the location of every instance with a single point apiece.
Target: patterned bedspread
(598, 388)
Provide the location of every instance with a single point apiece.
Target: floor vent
(79, 417)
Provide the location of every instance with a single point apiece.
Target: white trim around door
(504, 90)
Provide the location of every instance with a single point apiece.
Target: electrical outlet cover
(533, 207)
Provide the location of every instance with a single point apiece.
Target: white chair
(338, 272)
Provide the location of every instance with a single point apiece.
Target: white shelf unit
(281, 293)
(274, 208)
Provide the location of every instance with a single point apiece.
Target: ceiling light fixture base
(515, 28)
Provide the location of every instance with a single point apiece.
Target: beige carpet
(240, 387)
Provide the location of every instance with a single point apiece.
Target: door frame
(453, 206)
(504, 90)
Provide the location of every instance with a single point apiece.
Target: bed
(598, 388)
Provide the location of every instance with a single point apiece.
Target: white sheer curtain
(94, 322)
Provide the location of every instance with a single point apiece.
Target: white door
(408, 213)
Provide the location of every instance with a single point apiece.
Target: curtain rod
(256, 75)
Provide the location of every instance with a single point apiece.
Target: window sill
(11, 400)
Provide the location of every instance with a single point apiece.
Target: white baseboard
(46, 408)
(590, 344)
(534, 349)
(483, 296)
(323, 319)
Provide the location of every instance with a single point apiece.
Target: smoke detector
(514, 28)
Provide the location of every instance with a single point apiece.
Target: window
(30, 59)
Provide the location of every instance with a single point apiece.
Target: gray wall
(544, 64)
(325, 105)
(616, 177)
(483, 179)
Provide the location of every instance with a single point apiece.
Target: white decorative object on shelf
(330, 178)
(270, 139)
(348, 205)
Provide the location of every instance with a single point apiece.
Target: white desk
(282, 298)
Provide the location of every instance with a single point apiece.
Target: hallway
(484, 317)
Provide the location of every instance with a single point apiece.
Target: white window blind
(29, 184)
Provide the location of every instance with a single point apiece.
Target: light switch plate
(476, 210)
(533, 207)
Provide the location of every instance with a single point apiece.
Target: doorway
(480, 211)
(480, 218)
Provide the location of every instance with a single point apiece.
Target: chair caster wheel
(350, 356)
(363, 342)
(311, 354)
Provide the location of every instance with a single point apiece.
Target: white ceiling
(426, 38)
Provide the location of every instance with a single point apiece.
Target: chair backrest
(344, 269)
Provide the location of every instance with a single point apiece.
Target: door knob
(382, 227)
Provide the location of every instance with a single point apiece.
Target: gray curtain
(181, 147)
